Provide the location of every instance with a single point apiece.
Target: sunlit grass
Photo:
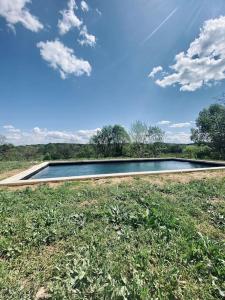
(116, 241)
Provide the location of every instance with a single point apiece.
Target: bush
(194, 151)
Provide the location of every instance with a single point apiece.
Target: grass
(129, 240)
(9, 168)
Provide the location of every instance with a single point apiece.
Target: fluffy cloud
(163, 122)
(11, 133)
(62, 58)
(42, 136)
(11, 129)
(177, 137)
(69, 19)
(8, 127)
(204, 61)
(180, 125)
(15, 11)
(87, 39)
(155, 71)
(84, 6)
(176, 125)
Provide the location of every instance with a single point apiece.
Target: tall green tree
(211, 128)
(120, 137)
(109, 140)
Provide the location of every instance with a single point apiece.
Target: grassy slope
(10, 168)
(132, 240)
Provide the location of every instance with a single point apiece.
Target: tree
(155, 134)
(119, 138)
(110, 140)
(211, 128)
(102, 140)
(139, 132)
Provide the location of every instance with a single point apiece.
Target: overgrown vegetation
(133, 240)
(88, 151)
(211, 129)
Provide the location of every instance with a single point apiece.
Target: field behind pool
(136, 238)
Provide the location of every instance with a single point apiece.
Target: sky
(69, 67)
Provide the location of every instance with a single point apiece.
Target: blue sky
(69, 68)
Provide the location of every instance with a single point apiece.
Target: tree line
(142, 140)
(116, 141)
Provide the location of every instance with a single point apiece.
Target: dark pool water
(66, 170)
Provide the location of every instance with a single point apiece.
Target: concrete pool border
(19, 179)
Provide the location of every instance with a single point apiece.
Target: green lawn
(8, 168)
(133, 240)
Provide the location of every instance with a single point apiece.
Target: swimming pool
(112, 167)
(95, 169)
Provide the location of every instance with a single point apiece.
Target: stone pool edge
(18, 179)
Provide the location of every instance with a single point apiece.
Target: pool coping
(18, 179)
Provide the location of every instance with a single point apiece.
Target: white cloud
(204, 61)
(69, 19)
(177, 137)
(42, 136)
(62, 58)
(176, 125)
(84, 6)
(180, 125)
(15, 11)
(8, 127)
(87, 39)
(12, 133)
(163, 122)
(11, 129)
(155, 71)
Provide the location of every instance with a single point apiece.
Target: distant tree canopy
(211, 128)
(110, 140)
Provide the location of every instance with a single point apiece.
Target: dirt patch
(116, 180)
(11, 173)
(185, 177)
(164, 178)
(42, 294)
(210, 230)
(88, 203)
(215, 200)
(154, 179)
